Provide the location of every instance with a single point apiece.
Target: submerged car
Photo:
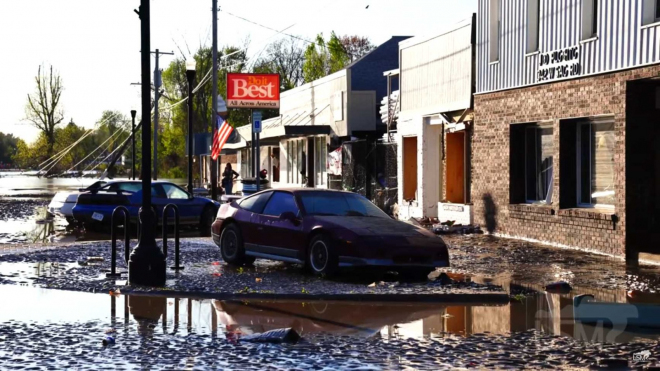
(324, 230)
(94, 209)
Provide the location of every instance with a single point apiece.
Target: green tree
(324, 58)
(8, 148)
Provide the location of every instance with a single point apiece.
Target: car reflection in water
(339, 318)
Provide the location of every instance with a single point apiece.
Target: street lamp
(146, 265)
(190, 74)
(133, 113)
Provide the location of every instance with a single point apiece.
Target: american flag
(221, 133)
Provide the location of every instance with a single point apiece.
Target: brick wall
(495, 112)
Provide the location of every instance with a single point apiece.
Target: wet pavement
(85, 265)
(53, 329)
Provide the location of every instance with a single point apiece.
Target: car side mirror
(288, 215)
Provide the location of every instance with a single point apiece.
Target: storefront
(316, 118)
(565, 146)
(434, 124)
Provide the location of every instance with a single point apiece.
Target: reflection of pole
(214, 321)
(165, 318)
(125, 311)
(133, 113)
(176, 314)
(113, 310)
(189, 315)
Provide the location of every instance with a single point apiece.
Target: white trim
(494, 62)
(531, 54)
(650, 25)
(591, 39)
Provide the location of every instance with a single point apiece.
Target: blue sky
(95, 44)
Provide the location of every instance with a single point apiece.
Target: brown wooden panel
(409, 167)
(456, 167)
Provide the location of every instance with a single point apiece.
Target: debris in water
(286, 335)
(95, 259)
(108, 340)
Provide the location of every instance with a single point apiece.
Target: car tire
(416, 274)
(206, 221)
(321, 257)
(231, 246)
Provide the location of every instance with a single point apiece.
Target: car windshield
(339, 204)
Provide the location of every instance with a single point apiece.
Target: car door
(280, 237)
(254, 205)
(158, 200)
(190, 209)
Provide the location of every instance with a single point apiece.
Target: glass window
(326, 203)
(538, 163)
(533, 17)
(596, 148)
(281, 202)
(589, 18)
(175, 193)
(657, 9)
(255, 203)
(495, 32)
(320, 160)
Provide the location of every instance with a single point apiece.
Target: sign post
(256, 129)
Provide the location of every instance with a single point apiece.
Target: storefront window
(538, 164)
(596, 146)
(320, 158)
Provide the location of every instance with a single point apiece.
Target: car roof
(303, 190)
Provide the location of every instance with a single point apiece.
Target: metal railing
(113, 237)
(175, 209)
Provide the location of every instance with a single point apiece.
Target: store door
(409, 168)
(455, 159)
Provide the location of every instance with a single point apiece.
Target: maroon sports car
(324, 230)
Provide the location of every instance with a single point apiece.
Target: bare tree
(356, 46)
(286, 57)
(42, 109)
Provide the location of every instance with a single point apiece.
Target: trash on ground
(95, 259)
(285, 335)
(451, 228)
(258, 280)
(108, 340)
(444, 279)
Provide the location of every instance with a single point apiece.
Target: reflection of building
(566, 142)
(316, 118)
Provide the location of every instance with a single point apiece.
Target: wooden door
(409, 168)
(456, 167)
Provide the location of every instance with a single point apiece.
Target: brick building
(565, 146)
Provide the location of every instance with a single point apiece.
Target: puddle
(24, 273)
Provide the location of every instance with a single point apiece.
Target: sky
(95, 45)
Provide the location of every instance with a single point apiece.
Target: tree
(356, 46)
(42, 109)
(8, 148)
(284, 57)
(324, 58)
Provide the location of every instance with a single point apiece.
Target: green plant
(304, 291)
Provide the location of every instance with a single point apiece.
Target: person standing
(228, 177)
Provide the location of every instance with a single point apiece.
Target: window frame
(495, 31)
(537, 126)
(533, 28)
(578, 158)
(590, 11)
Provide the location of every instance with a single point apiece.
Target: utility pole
(214, 94)
(133, 113)
(157, 84)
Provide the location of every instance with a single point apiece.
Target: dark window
(594, 25)
(657, 9)
(255, 203)
(281, 202)
(531, 164)
(324, 203)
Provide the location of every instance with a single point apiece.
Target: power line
(266, 27)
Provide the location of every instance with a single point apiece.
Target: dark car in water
(324, 230)
(94, 209)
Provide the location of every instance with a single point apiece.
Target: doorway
(409, 168)
(455, 160)
(275, 164)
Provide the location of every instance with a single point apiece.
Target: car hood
(373, 226)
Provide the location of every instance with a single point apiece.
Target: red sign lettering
(249, 90)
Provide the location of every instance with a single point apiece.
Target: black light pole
(133, 113)
(147, 263)
(190, 74)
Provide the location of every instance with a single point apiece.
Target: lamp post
(146, 265)
(133, 113)
(190, 74)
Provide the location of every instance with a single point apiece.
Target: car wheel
(321, 257)
(416, 274)
(206, 221)
(231, 245)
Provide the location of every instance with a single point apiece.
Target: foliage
(42, 109)
(8, 148)
(356, 46)
(324, 58)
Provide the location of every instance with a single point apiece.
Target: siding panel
(621, 43)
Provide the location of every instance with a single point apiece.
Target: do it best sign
(253, 90)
